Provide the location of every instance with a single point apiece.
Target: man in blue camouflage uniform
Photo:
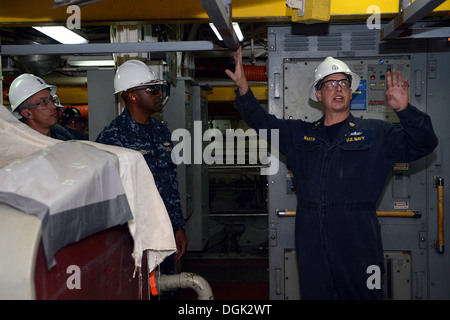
(135, 129)
(154, 142)
(340, 165)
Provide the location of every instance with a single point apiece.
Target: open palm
(397, 91)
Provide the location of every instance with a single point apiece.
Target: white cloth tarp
(79, 187)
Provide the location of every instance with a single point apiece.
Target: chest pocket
(354, 156)
(307, 155)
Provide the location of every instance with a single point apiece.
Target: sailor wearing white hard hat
(35, 101)
(144, 94)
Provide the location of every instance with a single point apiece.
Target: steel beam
(104, 48)
(217, 12)
(428, 33)
(410, 15)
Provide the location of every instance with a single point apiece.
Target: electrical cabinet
(415, 267)
(197, 225)
(187, 111)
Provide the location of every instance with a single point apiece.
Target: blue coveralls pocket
(308, 155)
(353, 159)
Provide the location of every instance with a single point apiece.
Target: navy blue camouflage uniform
(338, 183)
(153, 140)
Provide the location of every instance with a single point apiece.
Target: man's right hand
(238, 76)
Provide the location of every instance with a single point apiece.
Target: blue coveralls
(337, 233)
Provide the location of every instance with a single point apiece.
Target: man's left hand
(181, 243)
(397, 91)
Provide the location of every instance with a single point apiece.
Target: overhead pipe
(104, 48)
(183, 280)
(255, 73)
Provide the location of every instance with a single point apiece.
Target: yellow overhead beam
(220, 94)
(179, 11)
(72, 95)
(79, 95)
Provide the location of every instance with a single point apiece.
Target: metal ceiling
(186, 22)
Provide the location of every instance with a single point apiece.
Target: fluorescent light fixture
(90, 61)
(236, 28)
(62, 34)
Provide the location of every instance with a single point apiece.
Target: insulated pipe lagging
(186, 280)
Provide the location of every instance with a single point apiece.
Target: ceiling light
(236, 28)
(62, 34)
(90, 61)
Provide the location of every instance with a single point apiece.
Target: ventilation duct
(38, 65)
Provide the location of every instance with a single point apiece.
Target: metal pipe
(440, 242)
(412, 214)
(185, 280)
(286, 213)
(103, 48)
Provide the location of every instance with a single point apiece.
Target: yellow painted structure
(218, 94)
(179, 11)
(73, 95)
(79, 95)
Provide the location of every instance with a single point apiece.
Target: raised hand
(238, 76)
(397, 91)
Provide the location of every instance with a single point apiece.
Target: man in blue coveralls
(340, 164)
(135, 129)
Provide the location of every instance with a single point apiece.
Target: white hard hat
(330, 66)
(23, 87)
(134, 73)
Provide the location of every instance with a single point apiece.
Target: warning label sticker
(401, 205)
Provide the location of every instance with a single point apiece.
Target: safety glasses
(153, 90)
(45, 103)
(332, 84)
